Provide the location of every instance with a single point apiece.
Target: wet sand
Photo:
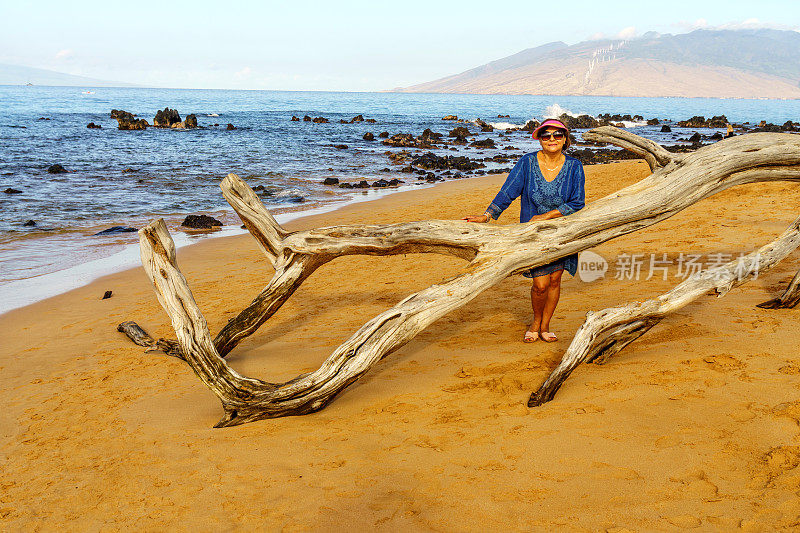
(693, 425)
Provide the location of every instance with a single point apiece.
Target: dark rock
(307, 119)
(369, 136)
(459, 131)
(653, 122)
(320, 120)
(93, 126)
(357, 118)
(125, 123)
(530, 126)
(345, 185)
(510, 148)
(401, 140)
(429, 136)
(343, 121)
(695, 138)
(370, 121)
(579, 122)
(361, 185)
(665, 129)
(380, 183)
(485, 143)
(383, 134)
(30, 224)
(394, 182)
(166, 118)
(115, 229)
(200, 222)
(601, 155)
(45, 118)
(701, 122)
(431, 161)
(487, 128)
(767, 128)
(12, 191)
(190, 121)
(230, 127)
(330, 181)
(128, 170)
(107, 295)
(340, 146)
(295, 119)
(449, 117)
(790, 126)
(119, 113)
(56, 169)
(503, 116)
(716, 137)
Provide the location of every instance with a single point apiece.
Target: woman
(551, 185)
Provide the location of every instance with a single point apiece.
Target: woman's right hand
(477, 218)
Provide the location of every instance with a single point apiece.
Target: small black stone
(116, 229)
(12, 191)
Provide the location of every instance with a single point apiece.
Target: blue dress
(538, 196)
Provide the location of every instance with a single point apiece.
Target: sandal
(549, 336)
(531, 336)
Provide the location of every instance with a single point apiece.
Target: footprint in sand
(723, 362)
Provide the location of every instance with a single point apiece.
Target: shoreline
(26, 291)
(695, 424)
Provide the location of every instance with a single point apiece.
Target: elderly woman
(550, 185)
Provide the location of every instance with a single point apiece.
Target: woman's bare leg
(539, 292)
(550, 299)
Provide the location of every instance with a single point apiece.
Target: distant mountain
(704, 63)
(18, 75)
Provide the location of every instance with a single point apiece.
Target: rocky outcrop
(431, 161)
(665, 129)
(702, 122)
(485, 143)
(119, 113)
(369, 136)
(166, 118)
(200, 222)
(357, 118)
(295, 119)
(125, 123)
(190, 121)
(12, 191)
(330, 181)
(230, 127)
(579, 122)
(459, 131)
(530, 126)
(93, 126)
(320, 120)
(449, 117)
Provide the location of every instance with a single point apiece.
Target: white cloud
(748, 24)
(66, 53)
(597, 36)
(627, 33)
(244, 73)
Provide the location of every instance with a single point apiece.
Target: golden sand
(693, 425)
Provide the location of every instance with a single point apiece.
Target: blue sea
(127, 178)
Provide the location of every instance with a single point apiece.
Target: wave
(212, 115)
(504, 125)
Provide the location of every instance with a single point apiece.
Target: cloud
(627, 33)
(244, 73)
(597, 36)
(748, 24)
(66, 53)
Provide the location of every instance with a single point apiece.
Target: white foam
(504, 125)
(555, 111)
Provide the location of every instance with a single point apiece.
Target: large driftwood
(606, 332)
(789, 298)
(493, 252)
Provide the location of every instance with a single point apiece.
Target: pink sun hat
(552, 123)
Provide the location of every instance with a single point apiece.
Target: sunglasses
(557, 135)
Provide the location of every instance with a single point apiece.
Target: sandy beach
(695, 425)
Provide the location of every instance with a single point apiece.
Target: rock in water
(30, 224)
(12, 191)
(369, 136)
(191, 121)
(449, 117)
(56, 169)
(230, 127)
(115, 229)
(200, 222)
(132, 124)
(119, 113)
(295, 119)
(93, 126)
(357, 118)
(330, 181)
(166, 118)
(665, 129)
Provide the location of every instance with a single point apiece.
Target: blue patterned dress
(538, 196)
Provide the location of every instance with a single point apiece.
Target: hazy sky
(328, 45)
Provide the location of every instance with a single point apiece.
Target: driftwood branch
(493, 252)
(606, 332)
(655, 154)
(789, 298)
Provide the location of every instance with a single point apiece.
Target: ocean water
(131, 177)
